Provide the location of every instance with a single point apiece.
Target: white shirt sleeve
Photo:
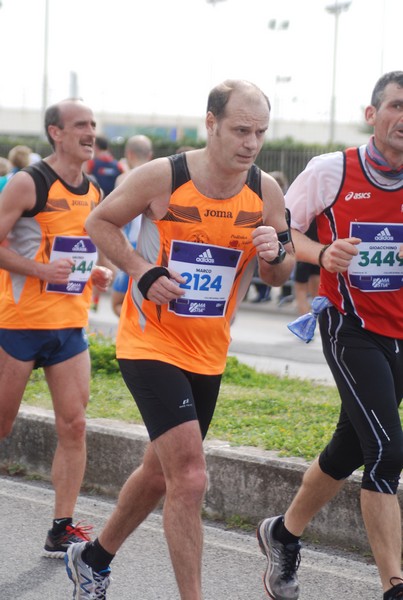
(133, 229)
(314, 189)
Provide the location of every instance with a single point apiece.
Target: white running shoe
(88, 584)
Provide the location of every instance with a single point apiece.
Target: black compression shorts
(168, 396)
(368, 370)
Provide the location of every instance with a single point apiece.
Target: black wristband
(321, 253)
(146, 281)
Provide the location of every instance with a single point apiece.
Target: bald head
(220, 95)
(55, 114)
(138, 150)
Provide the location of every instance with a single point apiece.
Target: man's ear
(211, 122)
(53, 131)
(370, 115)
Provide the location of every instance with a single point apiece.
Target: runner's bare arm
(265, 237)
(146, 190)
(18, 196)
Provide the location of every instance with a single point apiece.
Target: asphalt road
(232, 565)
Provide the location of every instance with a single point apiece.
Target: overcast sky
(163, 56)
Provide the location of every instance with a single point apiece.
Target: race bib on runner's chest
(377, 266)
(84, 254)
(209, 272)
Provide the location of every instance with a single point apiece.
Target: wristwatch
(280, 256)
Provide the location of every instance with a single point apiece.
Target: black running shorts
(168, 396)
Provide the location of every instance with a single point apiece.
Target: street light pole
(278, 26)
(45, 84)
(335, 9)
(212, 49)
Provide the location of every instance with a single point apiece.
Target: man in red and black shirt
(356, 198)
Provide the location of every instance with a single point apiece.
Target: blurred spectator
(138, 150)
(263, 290)
(34, 157)
(305, 277)
(184, 149)
(281, 179)
(5, 166)
(104, 167)
(19, 159)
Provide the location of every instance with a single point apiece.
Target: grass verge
(291, 416)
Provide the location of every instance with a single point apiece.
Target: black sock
(96, 557)
(282, 534)
(59, 525)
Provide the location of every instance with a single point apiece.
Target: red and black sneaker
(56, 545)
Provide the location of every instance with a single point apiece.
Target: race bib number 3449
(377, 267)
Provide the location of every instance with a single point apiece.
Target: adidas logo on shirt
(80, 247)
(205, 257)
(384, 235)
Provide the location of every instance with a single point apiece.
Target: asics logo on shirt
(205, 257)
(384, 236)
(357, 196)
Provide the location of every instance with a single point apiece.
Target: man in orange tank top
(356, 197)
(44, 298)
(206, 215)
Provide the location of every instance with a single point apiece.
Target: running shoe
(88, 584)
(56, 545)
(396, 591)
(280, 578)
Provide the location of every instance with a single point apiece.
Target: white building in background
(20, 122)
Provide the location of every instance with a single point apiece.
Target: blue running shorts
(45, 346)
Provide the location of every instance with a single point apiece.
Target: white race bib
(209, 272)
(377, 266)
(84, 254)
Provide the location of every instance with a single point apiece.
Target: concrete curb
(244, 482)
